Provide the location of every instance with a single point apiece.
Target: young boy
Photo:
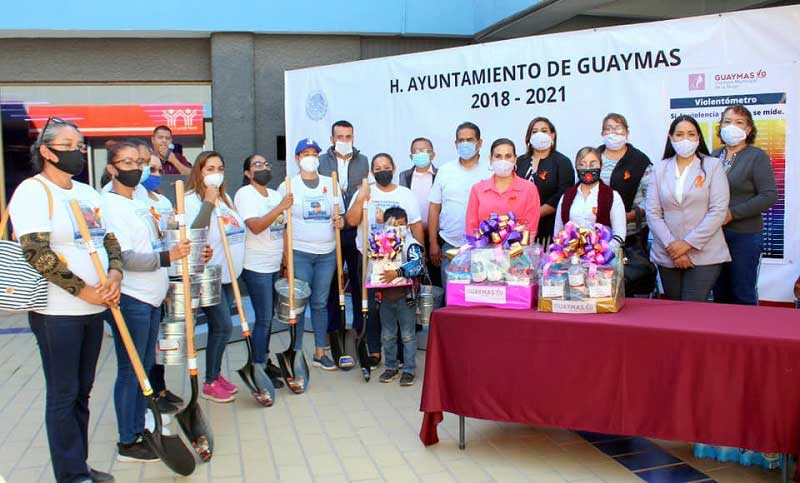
(398, 307)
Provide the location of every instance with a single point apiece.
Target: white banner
(646, 72)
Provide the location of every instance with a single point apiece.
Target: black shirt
(553, 177)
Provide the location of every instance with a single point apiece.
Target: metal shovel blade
(171, 449)
(195, 427)
(296, 375)
(256, 379)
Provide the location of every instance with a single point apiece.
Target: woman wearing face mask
(503, 192)
(384, 195)
(262, 210)
(69, 331)
(144, 286)
(313, 243)
(591, 201)
(548, 169)
(686, 206)
(205, 188)
(753, 191)
(627, 171)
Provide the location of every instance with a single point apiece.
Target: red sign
(124, 120)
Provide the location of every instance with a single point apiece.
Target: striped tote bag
(22, 288)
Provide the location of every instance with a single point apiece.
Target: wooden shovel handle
(180, 212)
(232, 270)
(290, 255)
(364, 250)
(338, 235)
(118, 319)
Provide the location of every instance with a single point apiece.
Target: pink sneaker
(227, 385)
(215, 392)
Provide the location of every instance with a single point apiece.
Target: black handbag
(640, 273)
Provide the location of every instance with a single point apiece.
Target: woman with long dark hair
(686, 206)
(206, 187)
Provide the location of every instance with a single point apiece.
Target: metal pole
(462, 443)
(785, 468)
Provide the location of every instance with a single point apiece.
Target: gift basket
(581, 273)
(385, 253)
(496, 267)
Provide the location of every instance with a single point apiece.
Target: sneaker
(138, 452)
(165, 406)
(170, 397)
(407, 379)
(346, 362)
(97, 475)
(389, 375)
(215, 392)
(325, 363)
(374, 361)
(227, 385)
(273, 371)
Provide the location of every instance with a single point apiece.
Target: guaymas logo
(741, 76)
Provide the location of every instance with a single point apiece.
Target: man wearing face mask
(351, 167)
(450, 193)
(419, 179)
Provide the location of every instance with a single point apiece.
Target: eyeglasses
(260, 165)
(60, 122)
(614, 129)
(133, 163)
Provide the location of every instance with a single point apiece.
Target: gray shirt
(752, 185)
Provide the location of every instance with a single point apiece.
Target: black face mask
(262, 177)
(589, 176)
(129, 178)
(383, 178)
(70, 162)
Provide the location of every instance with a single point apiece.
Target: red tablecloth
(718, 374)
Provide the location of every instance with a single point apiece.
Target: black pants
(69, 346)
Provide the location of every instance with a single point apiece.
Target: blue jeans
(316, 270)
(738, 281)
(260, 287)
(352, 258)
(142, 320)
(219, 332)
(69, 346)
(393, 314)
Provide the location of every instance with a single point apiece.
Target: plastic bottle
(577, 279)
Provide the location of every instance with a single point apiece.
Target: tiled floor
(340, 430)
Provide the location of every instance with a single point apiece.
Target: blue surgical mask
(145, 174)
(152, 183)
(466, 150)
(421, 160)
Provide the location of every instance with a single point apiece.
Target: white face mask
(685, 147)
(732, 135)
(614, 141)
(502, 167)
(343, 148)
(309, 164)
(215, 179)
(541, 141)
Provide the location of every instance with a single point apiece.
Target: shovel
(293, 365)
(171, 449)
(338, 339)
(191, 417)
(363, 354)
(253, 376)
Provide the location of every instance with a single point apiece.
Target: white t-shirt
(136, 230)
(312, 215)
(164, 214)
(29, 214)
(382, 200)
(234, 231)
(421, 184)
(263, 252)
(139, 192)
(451, 189)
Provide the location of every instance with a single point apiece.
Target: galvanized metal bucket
(174, 307)
(430, 298)
(198, 239)
(210, 286)
(301, 294)
(171, 346)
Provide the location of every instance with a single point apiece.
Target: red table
(718, 374)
